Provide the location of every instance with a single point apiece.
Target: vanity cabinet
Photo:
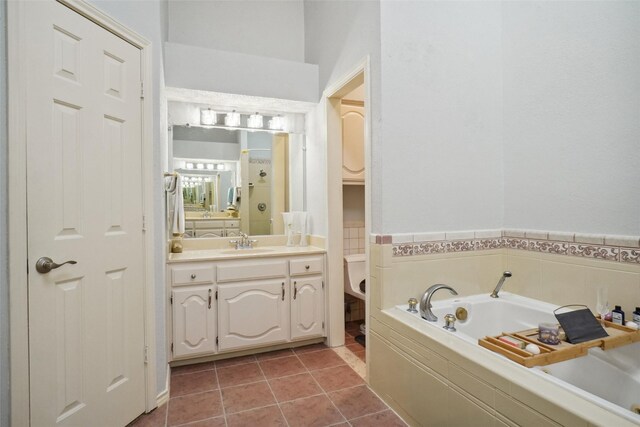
(239, 304)
(252, 314)
(194, 320)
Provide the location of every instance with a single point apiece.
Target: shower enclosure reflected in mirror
(236, 180)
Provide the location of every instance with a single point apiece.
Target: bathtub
(613, 379)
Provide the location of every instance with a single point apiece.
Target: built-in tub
(609, 379)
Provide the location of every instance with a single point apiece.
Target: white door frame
(360, 74)
(17, 189)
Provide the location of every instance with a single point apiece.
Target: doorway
(348, 201)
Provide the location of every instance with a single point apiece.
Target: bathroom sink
(246, 251)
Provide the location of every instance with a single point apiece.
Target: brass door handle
(46, 264)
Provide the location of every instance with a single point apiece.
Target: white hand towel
(178, 207)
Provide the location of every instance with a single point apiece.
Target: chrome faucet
(425, 301)
(244, 242)
(494, 294)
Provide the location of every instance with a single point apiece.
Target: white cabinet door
(252, 314)
(352, 144)
(194, 321)
(307, 308)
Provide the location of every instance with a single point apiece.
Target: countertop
(230, 253)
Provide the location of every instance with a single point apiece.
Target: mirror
(237, 180)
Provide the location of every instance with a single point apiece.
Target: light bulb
(255, 121)
(277, 123)
(232, 119)
(207, 116)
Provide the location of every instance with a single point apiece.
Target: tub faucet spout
(425, 301)
(494, 294)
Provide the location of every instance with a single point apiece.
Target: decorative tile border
(578, 246)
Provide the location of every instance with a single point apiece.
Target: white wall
(572, 116)
(4, 274)
(273, 28)
(339, 35)
(148, 18)
(193, 67)
(353, 203)
(440, 152)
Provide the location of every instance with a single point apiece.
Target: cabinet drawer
(251, 270)
(232, 223)
(209, 224)
(311, 265)
(189, 274)
(216, 232)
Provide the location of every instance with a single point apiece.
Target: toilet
(354, 283)
(354, 275)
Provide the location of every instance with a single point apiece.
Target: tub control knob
(412, 305)
(449, 321)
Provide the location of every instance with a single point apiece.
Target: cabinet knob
(193, 275)
(306, 267)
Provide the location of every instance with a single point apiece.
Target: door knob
(46, 264)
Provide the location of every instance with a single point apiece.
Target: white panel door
(194, 321)
(84, 195)
(307, 308)
(252, 314)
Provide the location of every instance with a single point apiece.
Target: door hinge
(323, 284)
(171, 299)
(146, 354)
(144, 223)
(171, 348)
(216, 295)
(216, 340)
(322, 325)
(141, 90)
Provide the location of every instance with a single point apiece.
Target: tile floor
(351, 330)
(307, 386)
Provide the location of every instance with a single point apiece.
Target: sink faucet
(244, 242)
(494, 294)
(425, 301)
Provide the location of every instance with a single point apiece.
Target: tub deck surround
(513, 313)
(614, 248)
(480, 387)
(496, 386)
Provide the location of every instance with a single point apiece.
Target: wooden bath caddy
(618, 336)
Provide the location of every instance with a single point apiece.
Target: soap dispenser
(617, 315)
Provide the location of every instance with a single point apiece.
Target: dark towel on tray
(580, 325)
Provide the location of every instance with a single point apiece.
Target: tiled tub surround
(471, 385)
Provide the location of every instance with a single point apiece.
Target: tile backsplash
(623, 249)
(353, 238)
